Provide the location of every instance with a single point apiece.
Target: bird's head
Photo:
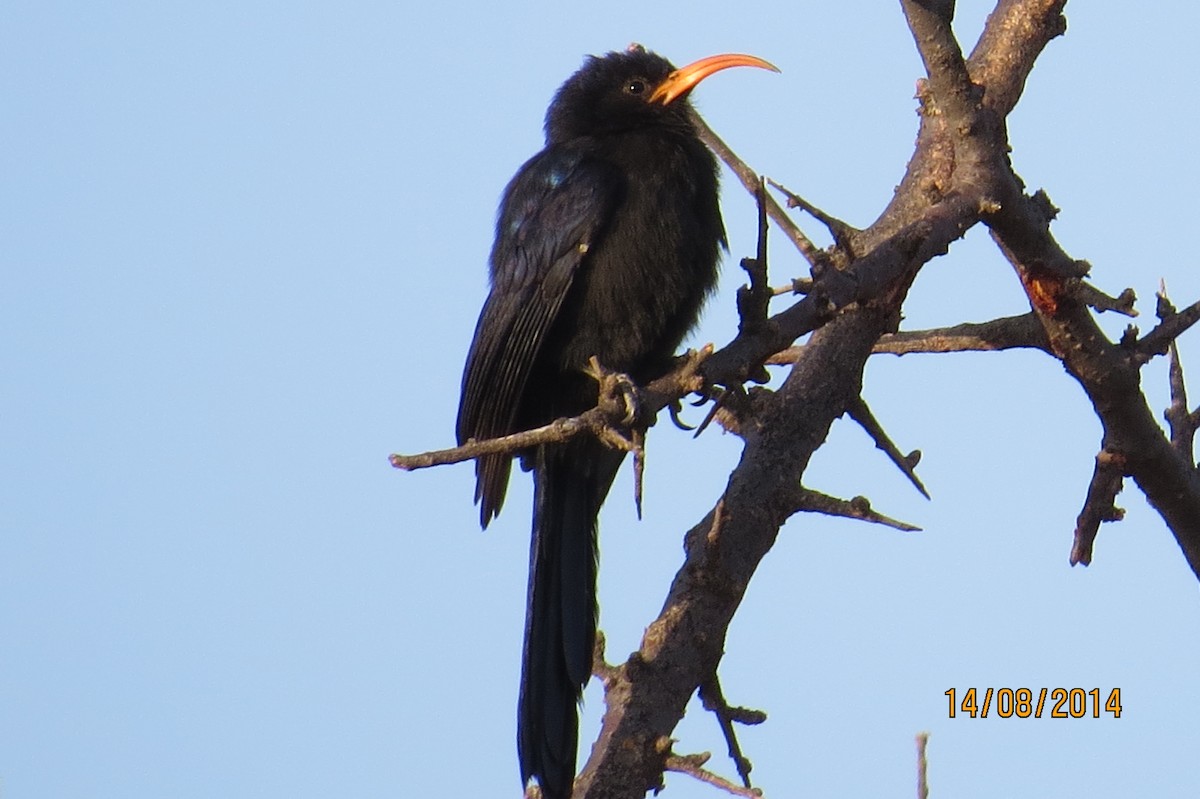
(629, 90)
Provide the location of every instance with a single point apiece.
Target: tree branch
(856, 508)
(1108, 373)
(1158, 340)
(1183, 423)
(958, 175)
(907, 464)
(1009, 332)
(953, 178)
(750, 180)
(1099, 506)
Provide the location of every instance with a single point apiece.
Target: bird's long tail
(570, 483)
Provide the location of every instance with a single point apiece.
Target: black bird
(606, 245)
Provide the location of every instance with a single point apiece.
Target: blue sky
(243, 252)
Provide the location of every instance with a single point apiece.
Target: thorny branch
(713, 700)
(1099, 506)
(859, 412)
(609, 421)
(693, 766)
(751, 180)
(1009, 332)
(960, 174)
(856, 508)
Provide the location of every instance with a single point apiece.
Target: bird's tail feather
(570, 483)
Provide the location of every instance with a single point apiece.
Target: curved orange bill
(684, 79)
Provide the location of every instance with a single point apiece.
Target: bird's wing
(551, 215)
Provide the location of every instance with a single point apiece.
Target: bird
(607, 243)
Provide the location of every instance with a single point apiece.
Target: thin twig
(860, 413)
(799, 285)
(558, 431)
(1183, 423)
(840, 230)
(606, 421)
(754, 300)
(922, 766)
(639, 468)
(1009, 332)
(713, 700)
(692, 765)
(750, 179)
(857, 508)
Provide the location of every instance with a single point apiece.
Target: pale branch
(859, 508)
(948, 185)
(907, 464)
(1009, 332)
(693, 766)
(618, 419)
(922, 766)
(799, 285)
(750, 179)
(622, 408)
(556, 432)
(1099, 506)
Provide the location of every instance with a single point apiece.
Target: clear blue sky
(243, 249)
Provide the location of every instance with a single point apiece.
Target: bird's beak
(684, 79)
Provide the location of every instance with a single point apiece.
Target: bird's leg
(631, 436)
(714, 701)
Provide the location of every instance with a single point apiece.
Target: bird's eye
(636, 86)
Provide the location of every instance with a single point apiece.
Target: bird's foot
(616, 387)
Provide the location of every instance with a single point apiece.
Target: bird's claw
(614, 383)
(629, 393)
(676, 408)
